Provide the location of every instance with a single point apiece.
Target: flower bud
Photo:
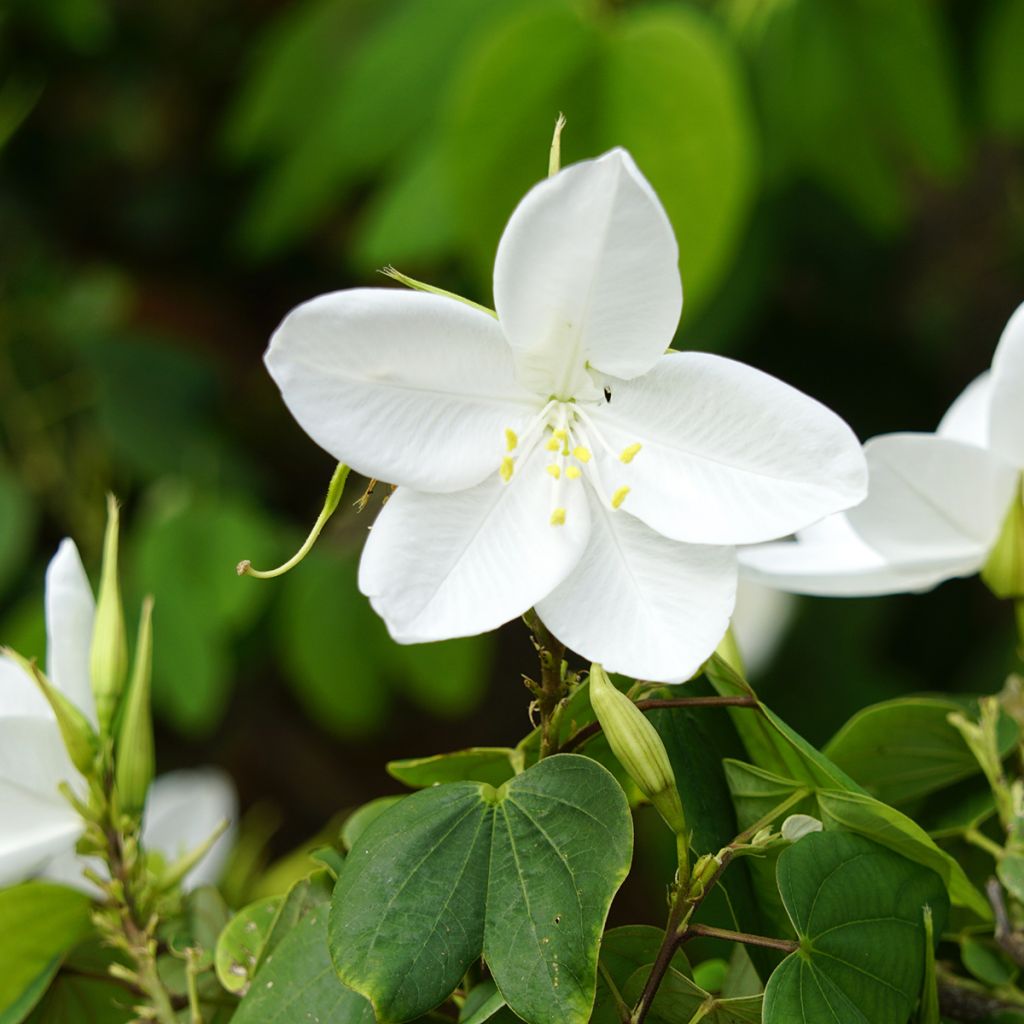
(796, 826)
(108, 656)
(135, 760)
(79, 737)
(1003, 572)
(638, 747)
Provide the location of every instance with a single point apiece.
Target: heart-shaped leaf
(857, 909)
(523, 874)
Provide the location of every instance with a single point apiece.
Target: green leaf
(857, 910)
(986, 962)
(524, 874)
(623, 952)
(72, 998)
(675, 96)
(359, 820)
(186, 549)
(39, 924)
(928, 1011)
(681, 1001)
(999, 67)
(493, 765)
(485, 1002)
(904, 749)
(1011, 873)
(298, 982)
(240, 944)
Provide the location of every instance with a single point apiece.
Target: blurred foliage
(844, 177)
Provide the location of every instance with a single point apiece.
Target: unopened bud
(79, 737)
(135, 760)
(638, 747)
(108, 657)
(1003, 571)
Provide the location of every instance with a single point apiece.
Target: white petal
(760, 621)
(932, 498)
(830, 559)
(33, 757)
(1008, 392)
(640, 604)
(587, 271)
(439, 566)
(33, 831)
(967, 419)
(729, 455)
(407, 387)
(70, 610)
(19, 695)
(183, 810)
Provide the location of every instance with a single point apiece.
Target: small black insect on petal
(608, 394)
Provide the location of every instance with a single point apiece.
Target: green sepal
(1003, 571)
(108, 655)
(135, 757)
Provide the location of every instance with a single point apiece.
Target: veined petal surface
(438, 566)
(729, 455)
(830, 559)
(932, 498)
(968, 418)
(1008, 392)
(408, 387)
(70, 611)
(587, 271)
(641, 604)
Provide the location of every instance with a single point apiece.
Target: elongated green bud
(1003, 573)
(108, 657)
(638, 747)
(79, 737)
(135, 760)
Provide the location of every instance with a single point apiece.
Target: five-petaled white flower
(38, 826)
(936, 502)
(555, 456)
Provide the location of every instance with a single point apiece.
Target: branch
(697, 930)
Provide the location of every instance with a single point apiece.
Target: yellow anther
(629, 453)
(561, 433)
(507, 465)
(511, 438)
(619, 496)
(558, 517)
(555, 470)
(552, 445)
(581, 453)
(572, 472)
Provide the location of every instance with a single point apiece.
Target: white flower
(936, 502)
(555, 456)
(38, 827)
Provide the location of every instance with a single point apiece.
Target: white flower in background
(555, 456)
(936, 502)
(38, 827)
(760, 621)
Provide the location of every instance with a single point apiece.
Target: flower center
(570, 437)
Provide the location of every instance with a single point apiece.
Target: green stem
(982, 841)
(621, 1006)
(706, 931)
(553, 689)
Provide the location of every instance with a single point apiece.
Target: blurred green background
(845, 178)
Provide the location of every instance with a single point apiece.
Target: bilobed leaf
(523, 874)
(298, 981)
(857, 910)
(240, 944)
(904, 749)
(623, 952)
(675, 96)
(679, 999)
(493, 765)
(357, 822)
(39, 924)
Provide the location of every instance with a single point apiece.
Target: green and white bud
(638, 747)
(108, 657)
(79, 737)
(1003, 572)
(135, 761)
(796, 826)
